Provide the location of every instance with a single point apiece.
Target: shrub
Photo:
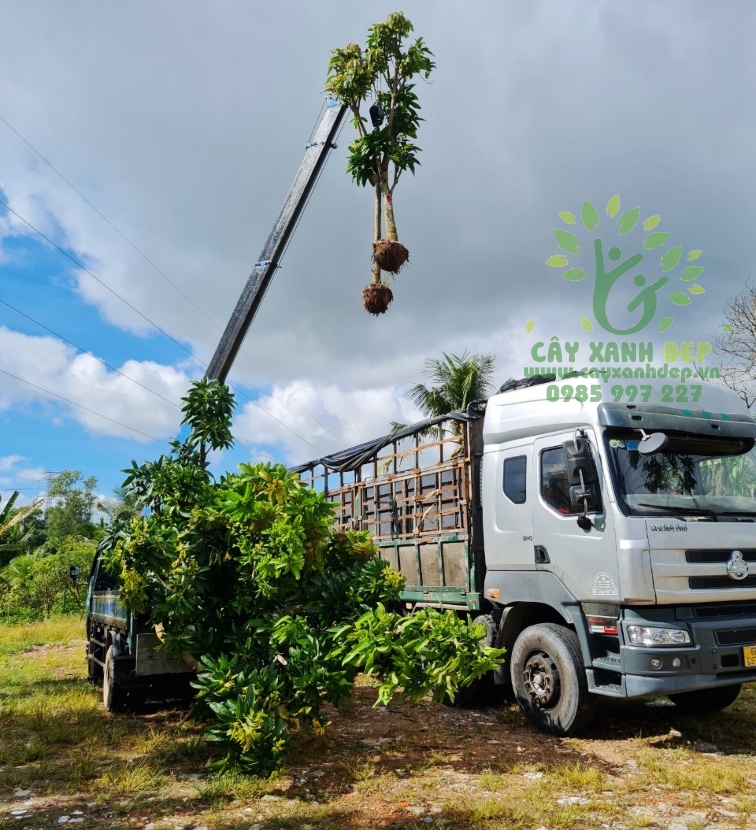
(281, 611)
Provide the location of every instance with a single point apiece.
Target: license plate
(749, 656)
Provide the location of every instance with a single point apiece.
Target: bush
(36, 585)
(281, 611)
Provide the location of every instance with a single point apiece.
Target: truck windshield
(695, 478)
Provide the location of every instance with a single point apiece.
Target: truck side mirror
(583, 478)
(584, 497)
(579, 460)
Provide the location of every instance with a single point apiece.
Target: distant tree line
(40, 546)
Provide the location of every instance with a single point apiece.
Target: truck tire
(113, 695)
(703, 701)
(549, 680)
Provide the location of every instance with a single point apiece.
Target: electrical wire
(114, 369)
(107, 417)
(98, 280)
(154, 325)
(85, 351)
(159, 270)
(81, 406)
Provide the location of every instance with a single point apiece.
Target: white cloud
(16, 474)
(9, 461)
(179, 132)
(144, 395)
(327, 418)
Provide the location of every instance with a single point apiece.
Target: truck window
(104, 581)
(514, 479)
(555, 487)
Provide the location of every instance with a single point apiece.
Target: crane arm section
(315, 156)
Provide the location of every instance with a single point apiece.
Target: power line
(107, 417)
(85, 351)
(103, 284)
(144, 317)
(114, 369)
(153, 265)
(81, 406)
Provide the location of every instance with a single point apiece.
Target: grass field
(403, 766)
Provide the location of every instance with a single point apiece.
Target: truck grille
(702, 583)
(736, 637)
(744, 609)
(708, 556)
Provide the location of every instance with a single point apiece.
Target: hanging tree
(383, 73)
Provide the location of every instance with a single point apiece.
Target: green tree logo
(651, 294)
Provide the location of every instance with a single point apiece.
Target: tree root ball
(390, 256)
(376, 298)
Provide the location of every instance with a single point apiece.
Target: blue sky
(184, 123)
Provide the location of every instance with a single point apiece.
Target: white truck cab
(618, 544)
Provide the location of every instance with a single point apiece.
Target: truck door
(585, 560)
(508, 507)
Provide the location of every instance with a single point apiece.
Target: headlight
(644, 636)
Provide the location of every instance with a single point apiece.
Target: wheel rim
(542, 681)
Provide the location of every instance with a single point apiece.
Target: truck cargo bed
(415, 492)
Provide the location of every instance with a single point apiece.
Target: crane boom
(315, 156)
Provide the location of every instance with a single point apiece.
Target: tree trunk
(376, 269)
(388, 206)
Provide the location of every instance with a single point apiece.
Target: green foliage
(456, 381)
(249, 576)
(423, 653)
(74, 503)
(35, 585)
(18, 528)
(384, 70)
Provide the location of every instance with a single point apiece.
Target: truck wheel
(113, 695)
(549, 679)
(703, 701)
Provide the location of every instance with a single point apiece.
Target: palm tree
(455, 382)
(11, 518)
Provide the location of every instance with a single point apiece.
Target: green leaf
(557, 261)
(678, 298)
(586, 324)
(650, 223)
(589, 215)
(665, 323)
(567, 241)
(655, 240)
(727, 328)
(696, 289)
(529, 325)
(691, 272)
(628, 220)
(575, 274)
(567, 217)
(613, 206)
(671, 258)
(694, 255)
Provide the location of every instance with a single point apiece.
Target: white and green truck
(609, 547)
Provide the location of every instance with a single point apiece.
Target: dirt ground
(401, 767)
